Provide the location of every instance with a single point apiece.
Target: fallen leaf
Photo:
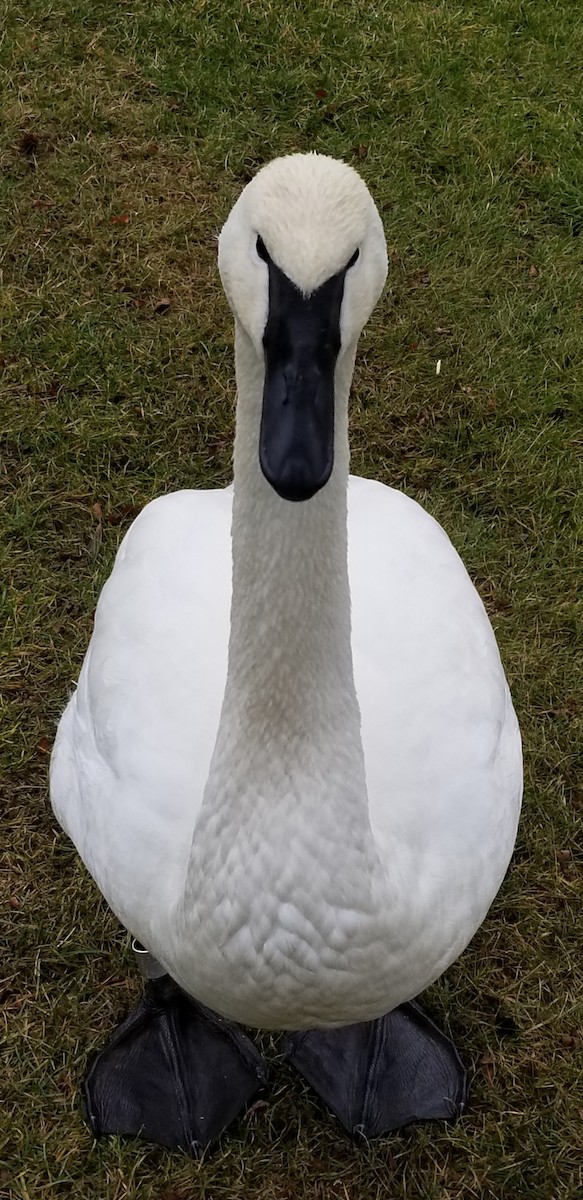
(321, 93)
(122, 219)
(487, 1062)
(97, 510)
(162, 305)
(120, 514)
(420, 279)
(361, 151)
(14, 902)
(533, 270)
(43, 745)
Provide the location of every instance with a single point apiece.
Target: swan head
(303, 260)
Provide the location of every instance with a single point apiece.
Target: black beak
(301, 344)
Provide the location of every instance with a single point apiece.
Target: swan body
(292, 764)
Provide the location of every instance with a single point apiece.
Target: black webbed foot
(383, 1074)
(173, 1073)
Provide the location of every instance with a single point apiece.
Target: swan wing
(441, 741)
(134, 745)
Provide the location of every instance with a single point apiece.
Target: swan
(291, 763)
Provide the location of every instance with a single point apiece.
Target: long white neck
(282, 842)
(290, 716)
(290, 676)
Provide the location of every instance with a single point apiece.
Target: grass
(127, 132)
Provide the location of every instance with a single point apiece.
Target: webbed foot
(174, 1073)
(380, 1075)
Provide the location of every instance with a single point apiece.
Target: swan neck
(286, 798)
(290, 618)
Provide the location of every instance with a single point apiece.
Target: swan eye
(354, 258)
(261, 250)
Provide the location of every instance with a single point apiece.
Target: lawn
(127, 131)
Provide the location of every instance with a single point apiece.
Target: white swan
(304, 826)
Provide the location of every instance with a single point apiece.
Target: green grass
(465, 121)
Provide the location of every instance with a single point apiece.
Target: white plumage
(307, 825)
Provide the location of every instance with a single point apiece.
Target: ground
(127, 132)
